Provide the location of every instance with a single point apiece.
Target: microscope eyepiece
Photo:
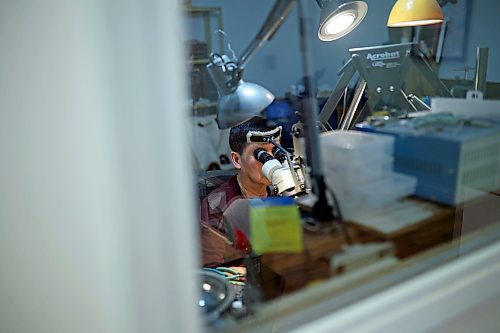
(279, 175)
(262, 156)
(279, 154)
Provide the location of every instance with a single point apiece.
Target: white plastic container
(358, 168)
(356, 173)
(355, 145)
(355, 201)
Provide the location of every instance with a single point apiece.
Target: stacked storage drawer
(358, 169)
(454, 158)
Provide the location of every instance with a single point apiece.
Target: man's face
(250, 167)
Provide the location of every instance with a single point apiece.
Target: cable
(218, 60)
(339, 216)
(323, 126)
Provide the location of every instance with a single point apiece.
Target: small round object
(216, 294)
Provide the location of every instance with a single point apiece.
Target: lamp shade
(246, 101)
(407, 13)
(338, 18)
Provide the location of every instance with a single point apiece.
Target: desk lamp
(338, 18)
(409, 13)
(240, 100)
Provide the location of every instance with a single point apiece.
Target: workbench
(444, 225)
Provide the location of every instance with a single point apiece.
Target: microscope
(282, 169)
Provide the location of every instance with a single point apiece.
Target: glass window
(409, 182)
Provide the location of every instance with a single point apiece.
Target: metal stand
(322, 211)
(383, 70)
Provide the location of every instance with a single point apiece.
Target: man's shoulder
(224, 192)
(217, 201)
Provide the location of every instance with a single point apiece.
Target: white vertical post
(97, 221)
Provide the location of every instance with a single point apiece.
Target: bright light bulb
(339, 23)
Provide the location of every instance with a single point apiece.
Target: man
(224, 212)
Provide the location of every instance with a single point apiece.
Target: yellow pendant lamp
(406, 13)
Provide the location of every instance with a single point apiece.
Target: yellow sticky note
(275, 226)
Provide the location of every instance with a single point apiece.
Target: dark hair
(238, 133)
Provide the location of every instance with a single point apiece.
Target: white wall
(483, 31)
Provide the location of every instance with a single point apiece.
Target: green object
(275, 226)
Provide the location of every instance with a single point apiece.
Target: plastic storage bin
(355, 145)
(357, 173)
(357, 201)
(358, 168)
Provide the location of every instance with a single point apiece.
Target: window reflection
(414, 191)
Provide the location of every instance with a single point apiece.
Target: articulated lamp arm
(278, 14)
(239, 100)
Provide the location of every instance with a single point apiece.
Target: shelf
(199, 61)
(206, 14)
(204, 10)
(202, 110)
(205, 106)
(202, 86)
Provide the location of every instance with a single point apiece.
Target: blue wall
(277, 65)
(482, 30)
